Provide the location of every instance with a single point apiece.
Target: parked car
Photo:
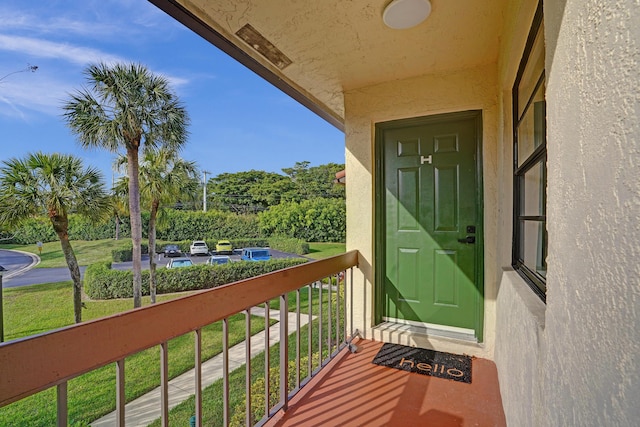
(179, 262)
(256, 254)
(171, 251)
(224, 247)
(219, 259)
(199, 247)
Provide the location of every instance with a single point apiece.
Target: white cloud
(94, 19)
(47, 49)
(44, 95)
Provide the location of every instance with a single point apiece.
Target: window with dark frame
(530, 162)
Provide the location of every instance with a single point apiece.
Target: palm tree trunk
(117, 227)
(152, 250)
(61, 227)
(136, 223)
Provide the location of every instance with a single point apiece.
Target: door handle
(468, 239)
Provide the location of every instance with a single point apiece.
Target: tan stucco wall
(574, 361)
(591, 366)
(473, 89)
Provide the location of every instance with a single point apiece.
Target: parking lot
(201, 259)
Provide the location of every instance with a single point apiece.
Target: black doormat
(425, 362)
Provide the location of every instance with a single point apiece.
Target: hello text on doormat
(426, 362)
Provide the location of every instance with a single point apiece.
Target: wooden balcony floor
(355, 392)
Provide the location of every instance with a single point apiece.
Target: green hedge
(39, 229)
(211, 225)
(280, 243)
(101, 282)
(289, 244)
(312, 220)
(126, 254)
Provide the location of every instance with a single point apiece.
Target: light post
(31, 68)
(204, 191)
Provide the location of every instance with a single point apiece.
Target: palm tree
(55, 185)
(126, 108)
(164, 176)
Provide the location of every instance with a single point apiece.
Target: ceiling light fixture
(403, 14)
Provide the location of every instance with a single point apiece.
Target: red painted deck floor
(355, 392)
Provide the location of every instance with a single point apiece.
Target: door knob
(468, 239)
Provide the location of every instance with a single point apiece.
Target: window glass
(535, 252)
(530, 158)
(532, 71)
(532, 127)
(533, 188)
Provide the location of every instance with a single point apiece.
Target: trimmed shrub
(126, 253)
(282, 243)
(313, 220)
(211, 226)
(289, 245)
(101, 282)
(80, 228)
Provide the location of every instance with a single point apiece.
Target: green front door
(431, 222)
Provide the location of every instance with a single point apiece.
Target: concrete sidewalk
(145, 409)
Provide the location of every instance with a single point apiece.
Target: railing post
(284, 352)
(225, 371)
(120, 396)
(1, 308)
(63, 411)
(198, 376)
(320, 302)
(298, 338)
(247, 340)
(266, 358)
(310, 337)
(329, 311)
(164, 384)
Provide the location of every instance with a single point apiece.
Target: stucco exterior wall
(519, 346)
(574, 361)
(473, 89)
(591, 365)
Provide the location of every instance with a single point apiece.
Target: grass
(39, 308)
(35, 309)
(212, 395)
(87, 251)
(324, 250)
(93, 394)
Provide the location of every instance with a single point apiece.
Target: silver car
(179, 262)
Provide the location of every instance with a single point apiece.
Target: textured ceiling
(342, 45)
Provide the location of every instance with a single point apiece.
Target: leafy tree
(126, 108)
(313, 220)
(234, 190)
(56, 185)
(163, 177)
(316, 181)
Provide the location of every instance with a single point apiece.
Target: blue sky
(238, 121)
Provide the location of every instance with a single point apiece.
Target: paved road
(19, 273)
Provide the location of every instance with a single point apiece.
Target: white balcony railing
(33, 364)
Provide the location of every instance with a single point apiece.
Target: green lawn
(212, 395)
(87, 251)
(325, 250)
(39, 308)
(93, 394)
